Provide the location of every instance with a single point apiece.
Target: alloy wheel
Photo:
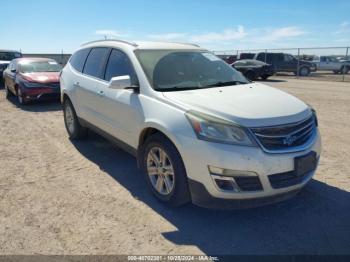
(69, 118)
(160, 171)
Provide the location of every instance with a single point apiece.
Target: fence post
(298, 63)
(346, 57)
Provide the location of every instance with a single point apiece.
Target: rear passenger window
(120, 65)
(78, 59)
(94, 65)
(261, 57)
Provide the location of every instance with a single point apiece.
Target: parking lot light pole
(298, 63)
(346, 57)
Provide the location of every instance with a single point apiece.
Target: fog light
(225, 183)
(229, 172)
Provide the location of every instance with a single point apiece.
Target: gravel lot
(59, 197)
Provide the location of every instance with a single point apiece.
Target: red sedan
(32, 79)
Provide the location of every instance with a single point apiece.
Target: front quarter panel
(166, 118)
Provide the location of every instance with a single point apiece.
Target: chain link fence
(319, 63)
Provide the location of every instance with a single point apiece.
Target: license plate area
(305, 164)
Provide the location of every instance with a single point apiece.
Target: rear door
(333, 64)
(323, 63)
(290, 63)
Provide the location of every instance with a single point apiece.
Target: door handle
(77, 84)
(101, 93)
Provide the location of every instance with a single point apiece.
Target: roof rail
(112, 40)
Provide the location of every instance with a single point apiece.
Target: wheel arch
(149, 129)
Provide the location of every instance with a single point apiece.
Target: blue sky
(50, 26)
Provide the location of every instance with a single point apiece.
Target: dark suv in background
(6, 56)
(283, 62)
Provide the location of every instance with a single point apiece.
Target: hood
(306, 62)
(42, 77)
(249, 105)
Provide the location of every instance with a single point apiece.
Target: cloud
(209, 37)
(345, 24)
(236, 37)
(109, 33)
(226, 35)
(282, 33)
(168, 36)
(343, 28)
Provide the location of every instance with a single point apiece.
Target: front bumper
(31, 94)
(198, 155)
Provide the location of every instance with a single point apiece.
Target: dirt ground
(59, 197)
(317, 76)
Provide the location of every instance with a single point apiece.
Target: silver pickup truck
(330, 63)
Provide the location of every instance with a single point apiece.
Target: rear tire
(71, 121)
(345, 70)
(161, 160)
(265, 77)
(250, 75)
(336, 72)
(304, 71)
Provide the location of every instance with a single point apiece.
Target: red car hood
(42, 77)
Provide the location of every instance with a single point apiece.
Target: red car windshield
(39, 66)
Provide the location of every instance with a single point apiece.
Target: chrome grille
(285, 137)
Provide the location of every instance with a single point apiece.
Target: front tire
(21, 100)
(8, 93)
(164, 170)
(304, 71)
(73, 127)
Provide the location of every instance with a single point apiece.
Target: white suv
(200, 131)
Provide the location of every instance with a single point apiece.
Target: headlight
(31, 84)
(214, 129)
(315, 115)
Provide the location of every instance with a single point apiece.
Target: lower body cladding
(228, 176)
(32, 94)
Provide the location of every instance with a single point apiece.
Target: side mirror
(122, 82)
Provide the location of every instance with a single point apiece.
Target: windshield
(8, 56)
(171, 70)
(39, 66)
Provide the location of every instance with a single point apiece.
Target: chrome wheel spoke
(154, 157)
(167, 183)
(160, 184)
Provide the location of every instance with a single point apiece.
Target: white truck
(330, 63)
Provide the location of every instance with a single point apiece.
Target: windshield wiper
(176, 88)
(228, 83)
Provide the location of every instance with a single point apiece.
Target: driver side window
(119, 65)
(288, 58)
